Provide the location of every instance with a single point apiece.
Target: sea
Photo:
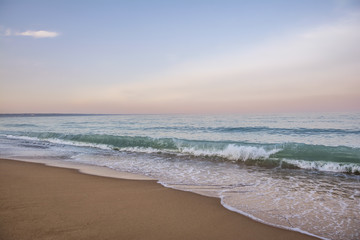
(294, 171)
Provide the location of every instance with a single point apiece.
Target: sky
(124, 57)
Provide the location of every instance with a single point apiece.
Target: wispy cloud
(38, 34)
(8, 32)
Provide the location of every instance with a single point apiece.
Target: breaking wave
(287, 155)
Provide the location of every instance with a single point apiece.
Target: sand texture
(42, 202)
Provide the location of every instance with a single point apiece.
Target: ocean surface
(297, 171)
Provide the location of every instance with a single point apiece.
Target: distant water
(296, 171)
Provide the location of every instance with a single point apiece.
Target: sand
(42, 202)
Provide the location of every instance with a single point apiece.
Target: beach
(180, 120)
(275, 170)
(42, 202)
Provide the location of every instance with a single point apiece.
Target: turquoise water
(298, 171)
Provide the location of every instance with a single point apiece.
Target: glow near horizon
(316, 68)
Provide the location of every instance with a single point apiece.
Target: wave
(306, 131)
(287, 155)
(300, 131)
(20, 125)
(232, 152)
(351, 168)
(302, 151)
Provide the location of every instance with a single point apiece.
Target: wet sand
(42, 202)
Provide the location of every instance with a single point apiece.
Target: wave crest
(288, 155)
(351, 168)
(232, 152)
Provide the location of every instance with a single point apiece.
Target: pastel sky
(186, 56)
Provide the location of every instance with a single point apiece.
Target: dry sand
(42, 202)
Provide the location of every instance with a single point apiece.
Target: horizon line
(114, 114)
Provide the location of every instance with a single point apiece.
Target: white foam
(144, 150)
(232, 152)
(79, 144)
(261, 221)
(64, 142)
(325, 166)
(22, 137)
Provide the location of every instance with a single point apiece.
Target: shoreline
(168, 213)
(95, 170)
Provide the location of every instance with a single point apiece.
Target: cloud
(35, 34)
(38, 34)
(8, 32)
